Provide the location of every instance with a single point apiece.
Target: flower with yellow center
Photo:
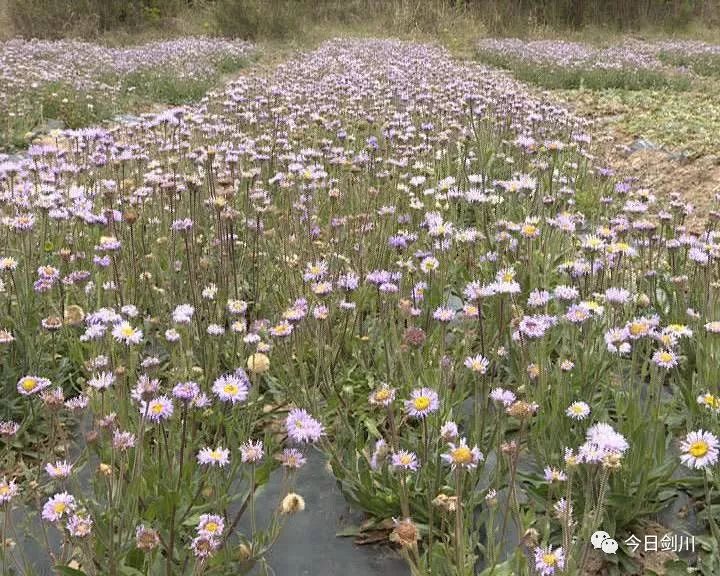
(210, 525)
(214, 456)
(529, 230)
(638, 328)
(8, 490)
(549, 562)
(124, 332)
(58, 506)
(421, 403)
(461, 455)
(31, 384)
(699, 449)
(383, 396)
(709, 401)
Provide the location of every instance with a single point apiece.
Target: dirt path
(660, 168)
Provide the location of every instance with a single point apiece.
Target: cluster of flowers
(26, 65)
(373, 204)
(97, 72)
(630, 54)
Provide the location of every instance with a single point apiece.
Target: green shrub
(253, 19)
(86, 18)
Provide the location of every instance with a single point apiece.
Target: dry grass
(6, 31)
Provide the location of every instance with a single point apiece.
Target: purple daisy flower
(423, 401)
(301, 427)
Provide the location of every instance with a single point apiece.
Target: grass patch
(702, 64)
(57, 102)
(688, 121)
(154, 85)
(72, 107)
(164, 88)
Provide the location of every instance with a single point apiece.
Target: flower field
(80, 83)
(373, 255)
(631, 64)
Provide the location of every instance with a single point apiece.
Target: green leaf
(130, 571)
(371, 426)
(504, 569)
(67, 571)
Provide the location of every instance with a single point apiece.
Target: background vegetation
(296, 19)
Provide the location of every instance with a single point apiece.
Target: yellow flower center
(405, 459)
(59, 508)
(462, 455)
(508, 277)
(230, 389)
(712, 401)
(211, 527)
(127, 331)
(29, 384)
(699, 449)
(4, 490)
(529, 229)
(637, 328)
(215, 455)
(382, 394)
(665, 357)
(421, 403)
(549, 559)
(156, 408)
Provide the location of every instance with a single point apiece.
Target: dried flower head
(292, 503)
